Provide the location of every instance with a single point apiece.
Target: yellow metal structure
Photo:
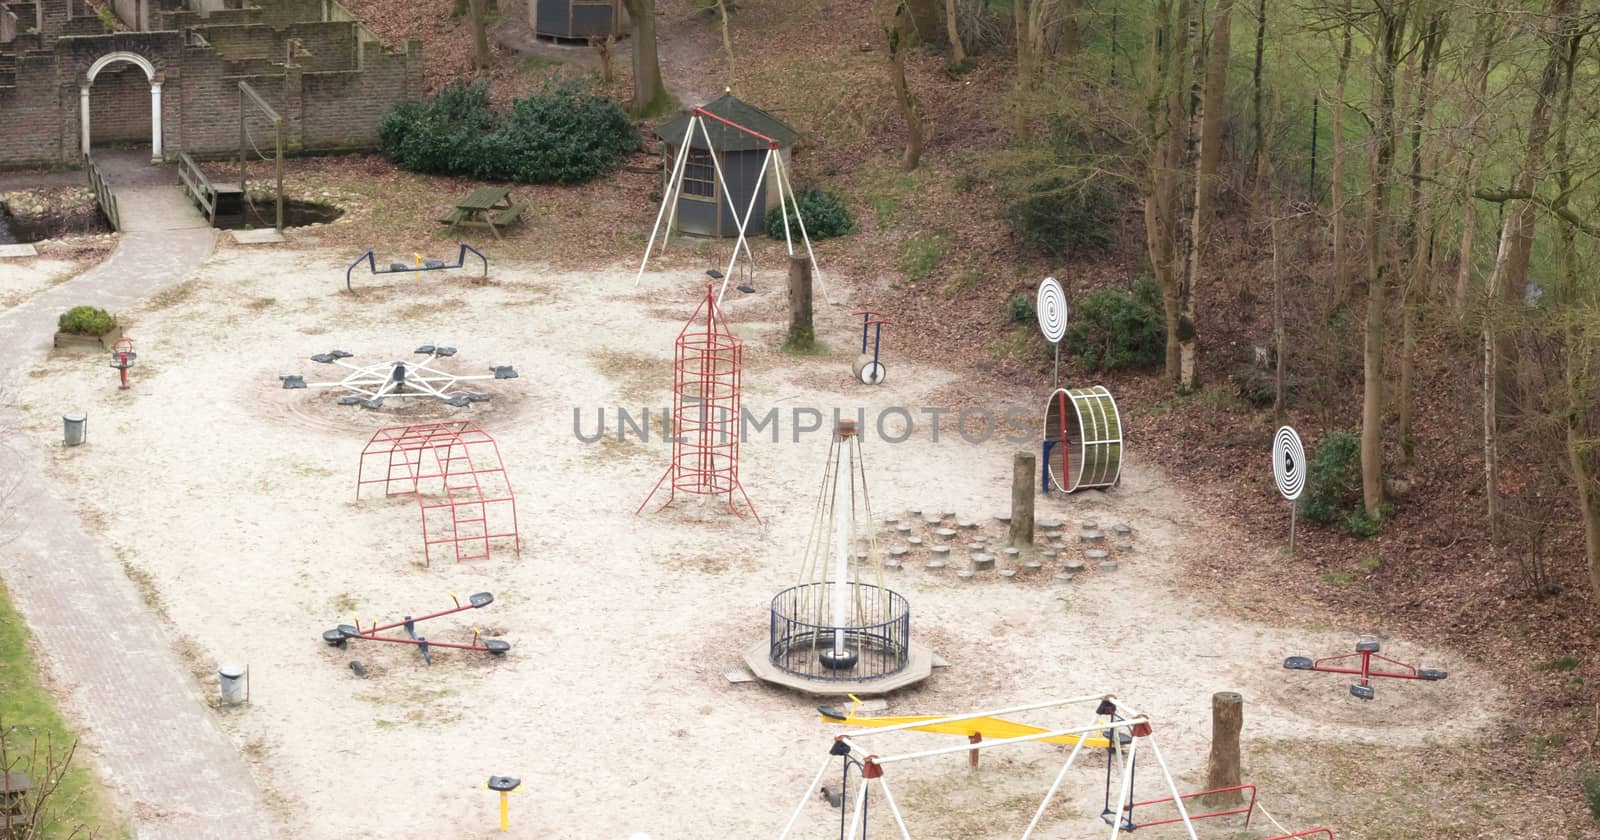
(988, 727)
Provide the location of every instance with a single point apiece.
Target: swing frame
(786, 199)
(1111, 716)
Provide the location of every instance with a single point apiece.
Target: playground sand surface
(235, 501)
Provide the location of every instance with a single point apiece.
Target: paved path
(172, 770)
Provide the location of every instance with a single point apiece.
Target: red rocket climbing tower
(706, 369)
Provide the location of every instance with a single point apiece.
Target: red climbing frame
(707, 366)
(455, 472)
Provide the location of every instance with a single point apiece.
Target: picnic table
(489, 207)
(14, 818)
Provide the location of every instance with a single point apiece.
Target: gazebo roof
(733, 109)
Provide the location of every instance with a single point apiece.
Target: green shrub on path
(823, 211)
(561, 135)
(1116, 328)
(86, 320)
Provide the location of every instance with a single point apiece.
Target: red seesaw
(1366, 650)
(338, 636)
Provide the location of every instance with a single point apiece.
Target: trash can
(232, 678)
(77, 428)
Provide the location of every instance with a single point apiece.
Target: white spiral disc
(1288, 463)
(1051, 306)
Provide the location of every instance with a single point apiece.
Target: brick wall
(332, 46)
(30, 133)
(119, 106)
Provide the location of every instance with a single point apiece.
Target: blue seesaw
(421, 264)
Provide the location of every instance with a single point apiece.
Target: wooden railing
(198, 186)
(102, 193)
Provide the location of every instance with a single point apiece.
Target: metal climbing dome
(455, 472)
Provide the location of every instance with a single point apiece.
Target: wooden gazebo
(703, 208)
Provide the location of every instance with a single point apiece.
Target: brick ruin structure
(166, 72)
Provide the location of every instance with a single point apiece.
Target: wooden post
(1222, 768)
(1020, 534)
(802, 335)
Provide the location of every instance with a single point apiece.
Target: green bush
(1115, 328)
(561, 135)
(824, 213)
(1021, 309)
(1591, 792)
(86, 320)
(1064, 219)
(1333, 482)
(1362, 524)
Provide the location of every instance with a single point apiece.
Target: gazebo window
(699, 176)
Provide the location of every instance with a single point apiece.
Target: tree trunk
(924, 21)
(1222, 766)
(1207, 105)
(1277, 329)
(1019, 16)
(1386, 58)
(1259, 154)
(802, 335)
(1020, 532)
(650, 96)
(958, 53)
(727, 44)
(481, 59)
(896, 23)
(1513, 283)
(1341, 268)
(1420, 232)
(1165, 115)
(1483, 50)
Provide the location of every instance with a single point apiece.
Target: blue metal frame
(372, 263)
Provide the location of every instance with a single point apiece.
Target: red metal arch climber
(454, 470)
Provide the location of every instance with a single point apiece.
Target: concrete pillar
(155, 122)
(83, 118)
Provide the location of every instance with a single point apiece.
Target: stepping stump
(1121, 530)
(891, 563)
(964, 574)
(1051, 535)
(935, 565)
(949, 515)
(1108, 565)
(1031, 566)
(931, 519)
(976, 548)
(966, 524)
(897, 552)
(1096, 554)
(1010, 554)
(943, 533)
(914, 541)
(1092, 537)
(1064, 577)
(939, 552)
(1090, 525)
(1047, 524)
(1048, 555)
(914, 512)
(1008, 574)
(1003, 519)
(982, 562)
(1124, 546)
(902, 528)
(1073, 565)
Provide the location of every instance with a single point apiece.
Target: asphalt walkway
(170, 768)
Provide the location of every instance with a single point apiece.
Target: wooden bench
(508, 215)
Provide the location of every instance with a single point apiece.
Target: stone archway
(155, 98)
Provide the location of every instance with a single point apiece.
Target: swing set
(786, 200)
(1119, 729)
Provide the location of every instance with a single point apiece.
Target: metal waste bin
(77, 428)
(233, 680)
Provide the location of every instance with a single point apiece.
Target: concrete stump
(1073, 565)
(1096, 554)
(1121, 530)
(1108, 565)
(1092, 537)
(1124, 546)
(1019, 530)
(1008, 574)
(982, 562)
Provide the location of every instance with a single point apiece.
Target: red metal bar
(1248, 810)
(377, 628)
(431, 643)
(698, 111)
(1307, 833)
(1366, 668)
(1066, 455)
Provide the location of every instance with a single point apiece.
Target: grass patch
(172, 295)
(344, 604)
(1565, 663)
(959, 285)
(920, 253)
(638, 377)
(1022, 343)
(30, 714)
(886, 189)
(1338, 577)
(1369, 563)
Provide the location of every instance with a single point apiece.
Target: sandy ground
(234, 501)
(20, 279)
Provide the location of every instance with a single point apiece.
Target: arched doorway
(155, 98)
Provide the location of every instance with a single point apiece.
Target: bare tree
(1341, 268)
(482, 61)
(958, 53)
(40, 810)
(896, 22)
(650, 96)
(1483, 41)
(1420, 227)
(1162, 188)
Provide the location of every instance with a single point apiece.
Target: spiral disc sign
(1051, 307)
(1288, 463)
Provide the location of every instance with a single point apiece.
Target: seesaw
(420, 264)
(339, 636)
(1367, 650)
(974, 729)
